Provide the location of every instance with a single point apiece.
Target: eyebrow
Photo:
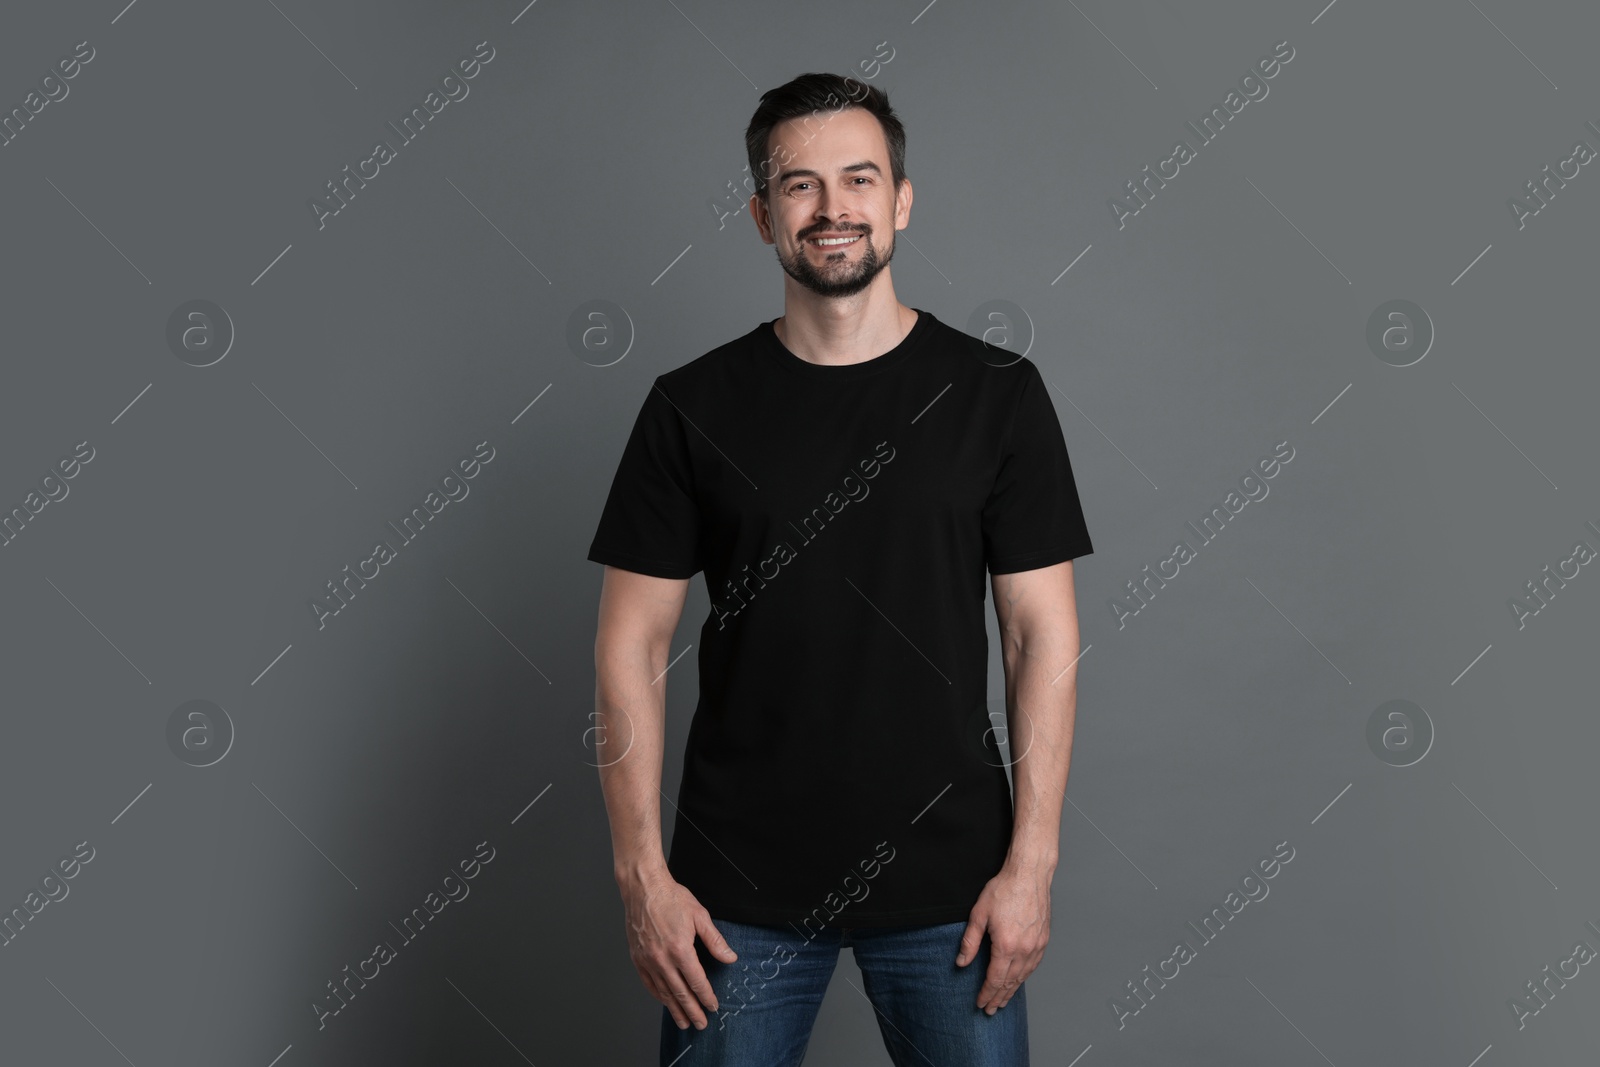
(865, 164)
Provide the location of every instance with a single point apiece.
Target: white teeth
(835, 240)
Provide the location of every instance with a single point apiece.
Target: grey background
(456, 689)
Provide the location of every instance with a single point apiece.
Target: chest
(895, 463)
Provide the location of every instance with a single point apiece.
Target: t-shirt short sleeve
(651, 521)
(1033, 517)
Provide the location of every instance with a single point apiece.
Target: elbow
(631, 649)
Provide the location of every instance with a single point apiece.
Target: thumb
(971, 938)
(714, 941)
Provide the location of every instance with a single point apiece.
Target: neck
(842, 330)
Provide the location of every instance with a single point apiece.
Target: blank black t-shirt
(841, 766)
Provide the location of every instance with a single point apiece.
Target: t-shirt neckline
(780, 354)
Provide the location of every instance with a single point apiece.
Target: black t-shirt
(841, 765)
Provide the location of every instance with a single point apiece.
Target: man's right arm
(639, 613)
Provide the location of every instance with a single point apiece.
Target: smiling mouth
(833, 242)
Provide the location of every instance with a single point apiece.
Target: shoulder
(1001, 373)
(714, 369)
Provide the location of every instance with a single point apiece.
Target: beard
(837, 277)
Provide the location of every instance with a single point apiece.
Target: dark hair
(812, 93)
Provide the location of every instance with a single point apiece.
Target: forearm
(1041, 708)
(630, 714)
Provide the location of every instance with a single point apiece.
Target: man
(842, 474)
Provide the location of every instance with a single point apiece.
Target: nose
(831, 209)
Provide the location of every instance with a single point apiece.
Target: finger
(1022, 968)
(1007, 990)
(995, 979)
(685, 1000)
(715, 943)
(658, 989)
(663, 974)
(672, 1010)
(694, 977)
(971, 938)
(1015, 981)
(1030, 965)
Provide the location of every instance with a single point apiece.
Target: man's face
(833, 187)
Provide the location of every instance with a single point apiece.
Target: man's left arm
(1038, 617)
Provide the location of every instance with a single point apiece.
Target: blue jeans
(925, 1005)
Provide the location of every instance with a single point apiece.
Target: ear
(762, 219)
(902, 205)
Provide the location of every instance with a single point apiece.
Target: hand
(1014, 908)
(663, 918)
